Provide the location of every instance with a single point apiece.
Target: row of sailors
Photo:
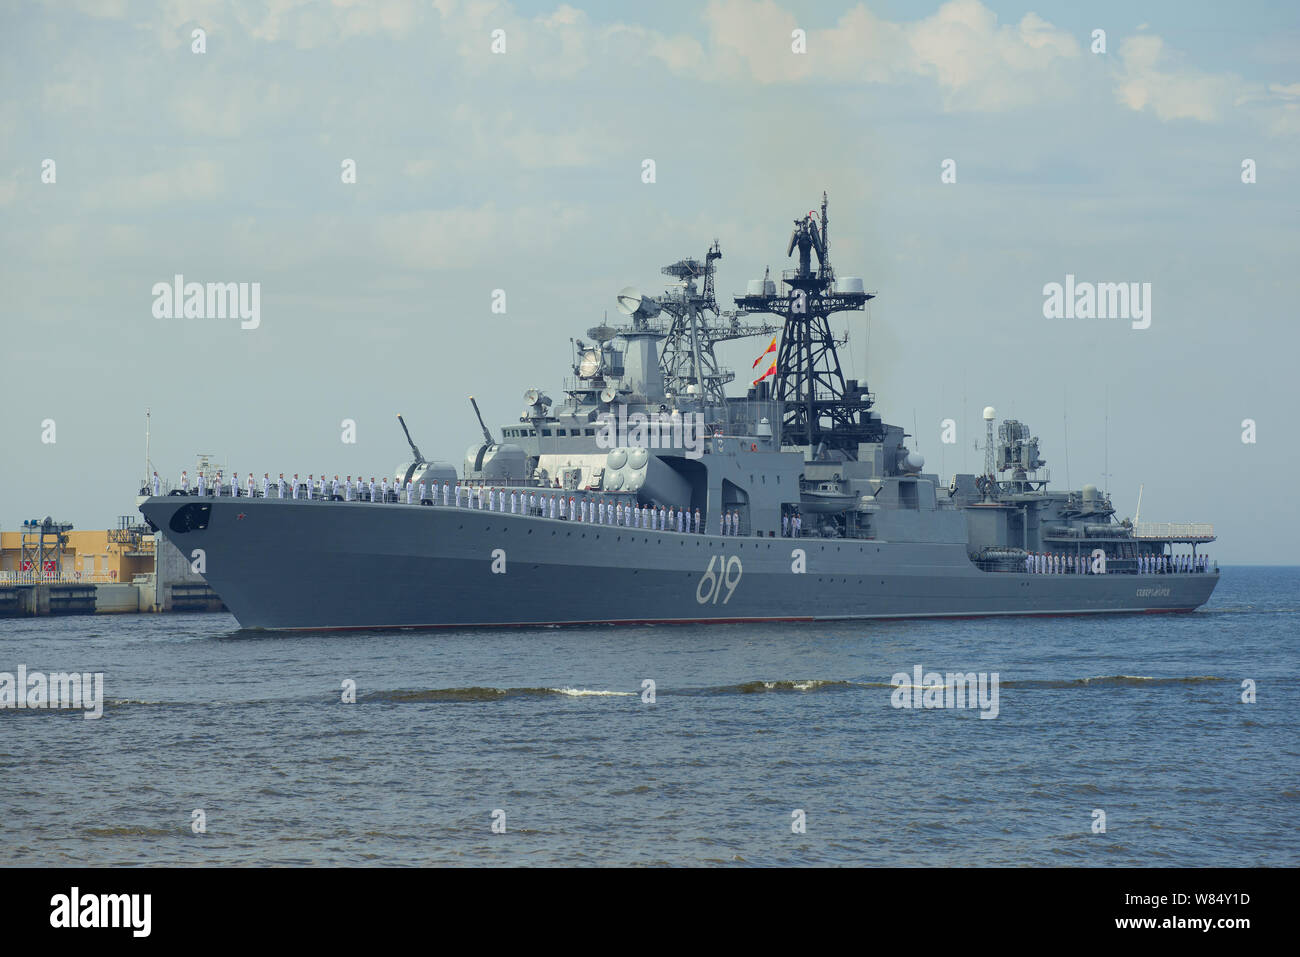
(1051, 563)
(597, 511)
(1184, 564)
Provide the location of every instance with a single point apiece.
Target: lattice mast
(821, 409)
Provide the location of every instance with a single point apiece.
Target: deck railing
(1178, 530)
(58, 578)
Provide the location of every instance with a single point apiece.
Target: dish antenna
(635, 305)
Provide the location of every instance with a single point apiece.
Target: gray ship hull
(297, 564)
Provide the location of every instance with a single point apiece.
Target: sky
(522, 171)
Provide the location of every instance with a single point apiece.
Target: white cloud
(231, 108)
(1153, 79)
(983, 66)
(978, 64)
(198, 179)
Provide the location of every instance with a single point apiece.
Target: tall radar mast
(822, 409)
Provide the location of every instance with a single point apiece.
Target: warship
(648, 494)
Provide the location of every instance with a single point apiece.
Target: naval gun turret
(493, 461)
(420, 469)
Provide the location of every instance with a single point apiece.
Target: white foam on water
(588, 693)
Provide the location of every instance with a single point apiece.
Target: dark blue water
(1137, 716)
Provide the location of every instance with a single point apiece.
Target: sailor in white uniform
(266, 485)
(185, 482)
(554, 505)
(157, 484)
(203, 482)
(216, 488)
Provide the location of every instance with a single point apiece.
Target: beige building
(63, 554)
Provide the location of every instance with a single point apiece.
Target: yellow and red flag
(771, 348)
(770, 371)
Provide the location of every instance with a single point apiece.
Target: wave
(1135, 681)
(131, 831)
(587, 693)
(477, 693)
(759, 687)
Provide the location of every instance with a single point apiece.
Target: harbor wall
(165, 583)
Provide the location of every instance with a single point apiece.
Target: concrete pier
(69, 598)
